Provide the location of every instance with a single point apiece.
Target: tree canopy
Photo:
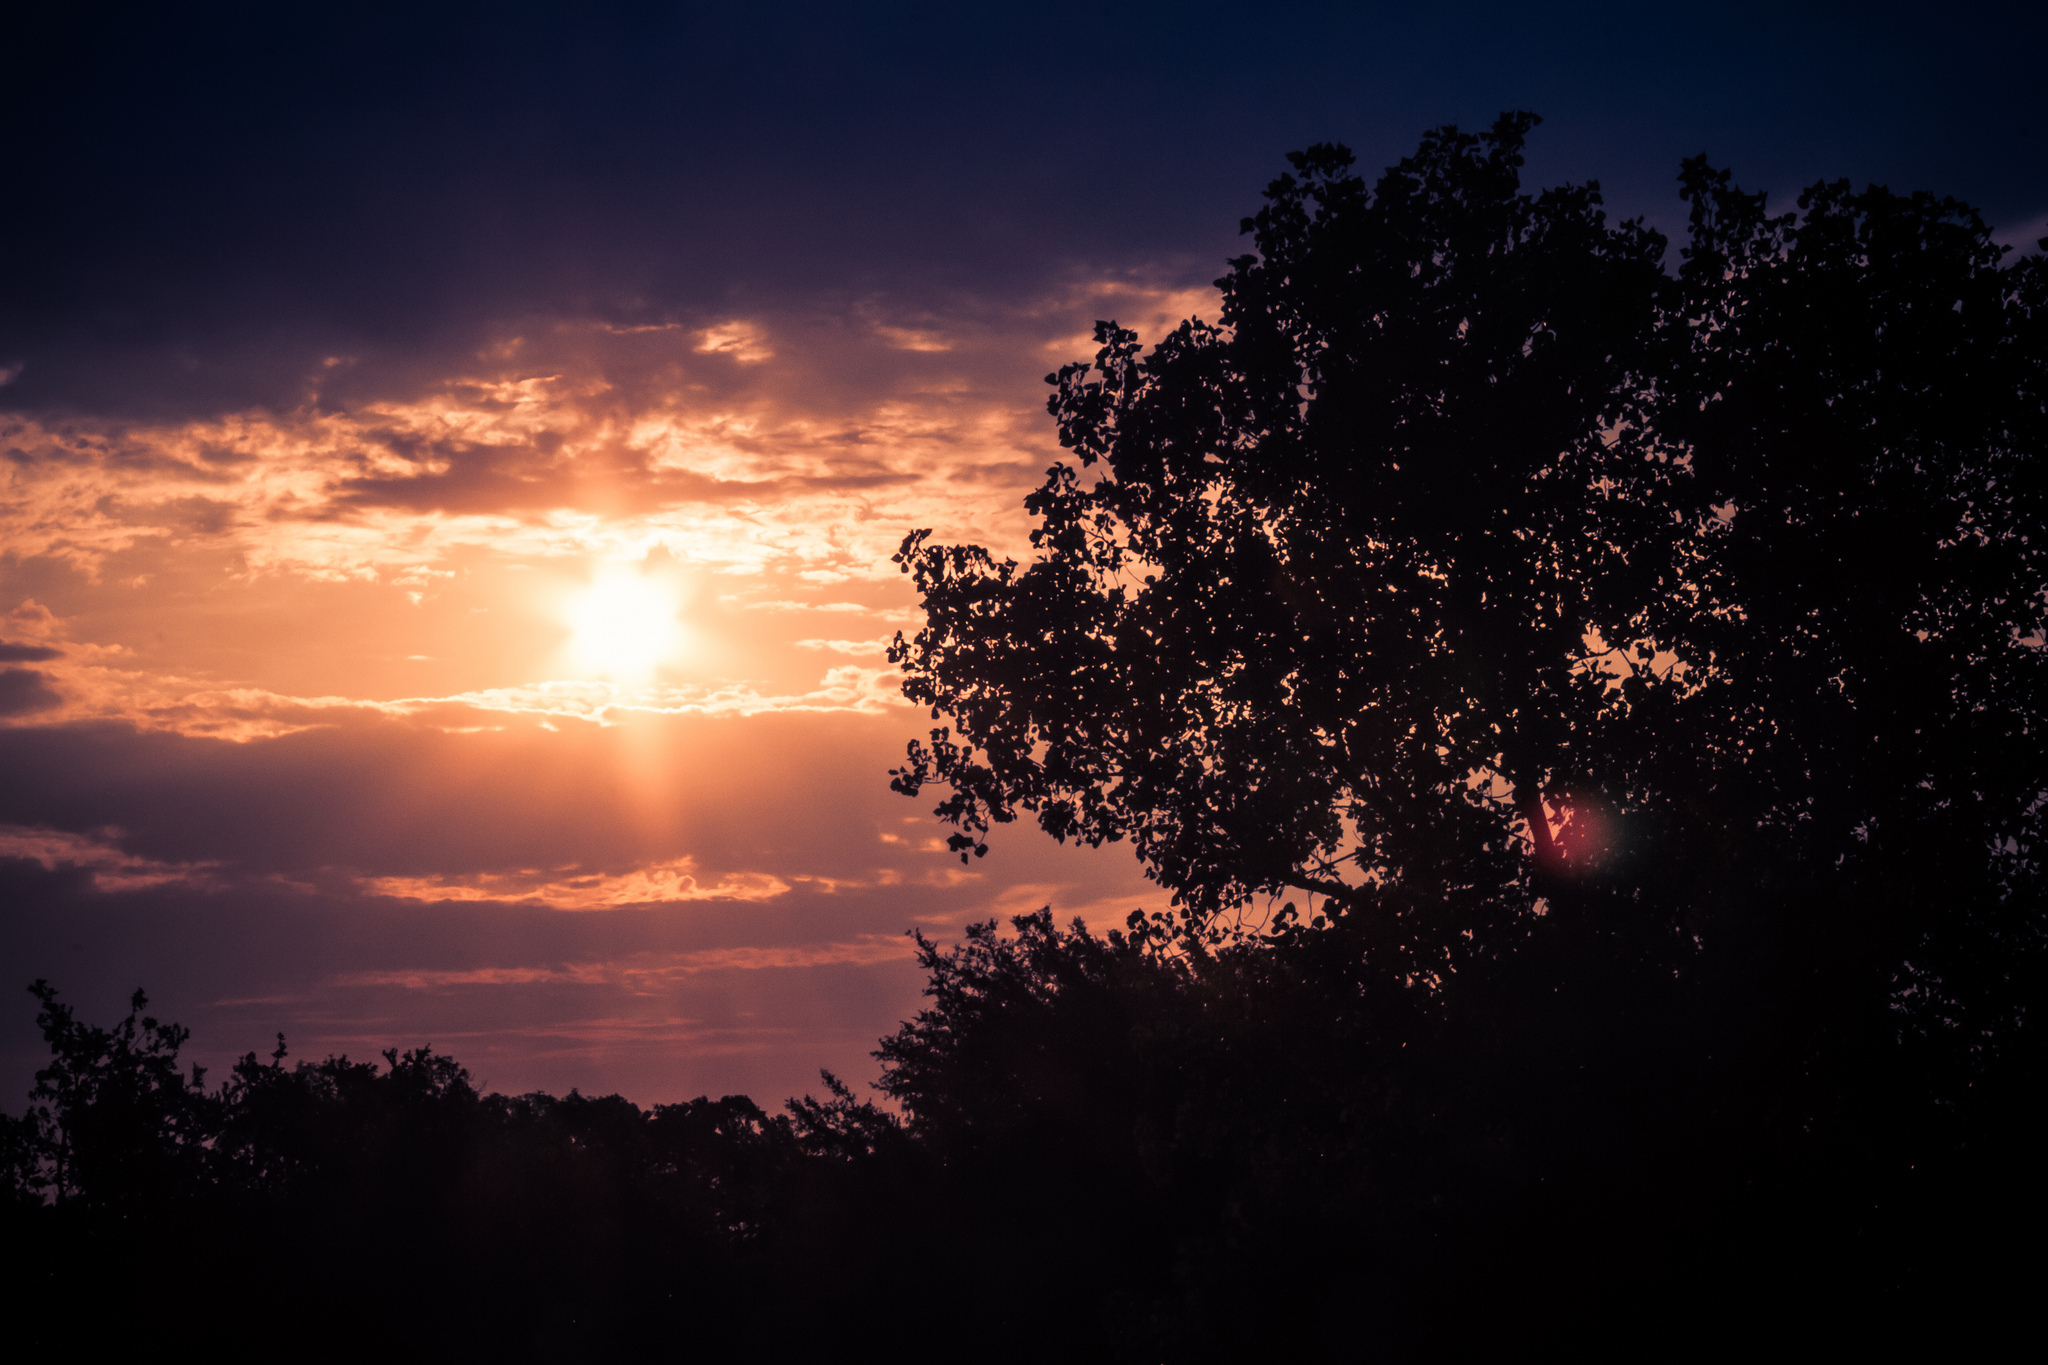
(1487, 577)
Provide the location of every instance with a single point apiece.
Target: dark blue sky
(207, 199)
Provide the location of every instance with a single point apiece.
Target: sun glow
(624, 626)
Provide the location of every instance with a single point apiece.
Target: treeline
(327, 1209)
(1099, 1147)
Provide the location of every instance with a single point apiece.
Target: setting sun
(624, 626)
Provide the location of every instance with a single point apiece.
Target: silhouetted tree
(113, 1122)
(1640, 672)
(1323, 621)
(1859, 761)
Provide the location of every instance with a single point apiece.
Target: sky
(451, 461)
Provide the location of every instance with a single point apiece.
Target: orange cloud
(649, 970)
(569, 889)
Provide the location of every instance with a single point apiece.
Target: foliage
(1635, 667)
(562, 1227)
(112, 1121)
(1322, 622)
(1544, 612)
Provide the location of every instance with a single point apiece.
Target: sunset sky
(451, 465)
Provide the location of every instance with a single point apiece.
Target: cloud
(95, 852)
(874, 646)
(658, 810)
(645, 970)
(558, 470)
(661, 1001)
(570, 888)
(742, 341)
(866, 691)
(249, 714)
(318, 755)
(31, 617)
(23, 691)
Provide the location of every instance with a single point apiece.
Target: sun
(624, 626)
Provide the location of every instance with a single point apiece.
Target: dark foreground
(1105, 1151)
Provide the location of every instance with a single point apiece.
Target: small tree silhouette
(113, 1122)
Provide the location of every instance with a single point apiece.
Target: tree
(1645, 664)
(1862, 400)
(113, 1121)
(1343, 606)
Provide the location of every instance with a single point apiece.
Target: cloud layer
(286, 676)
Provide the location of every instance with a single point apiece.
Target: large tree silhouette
(1481, 579)
(1633, 668)
(1324, 621)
